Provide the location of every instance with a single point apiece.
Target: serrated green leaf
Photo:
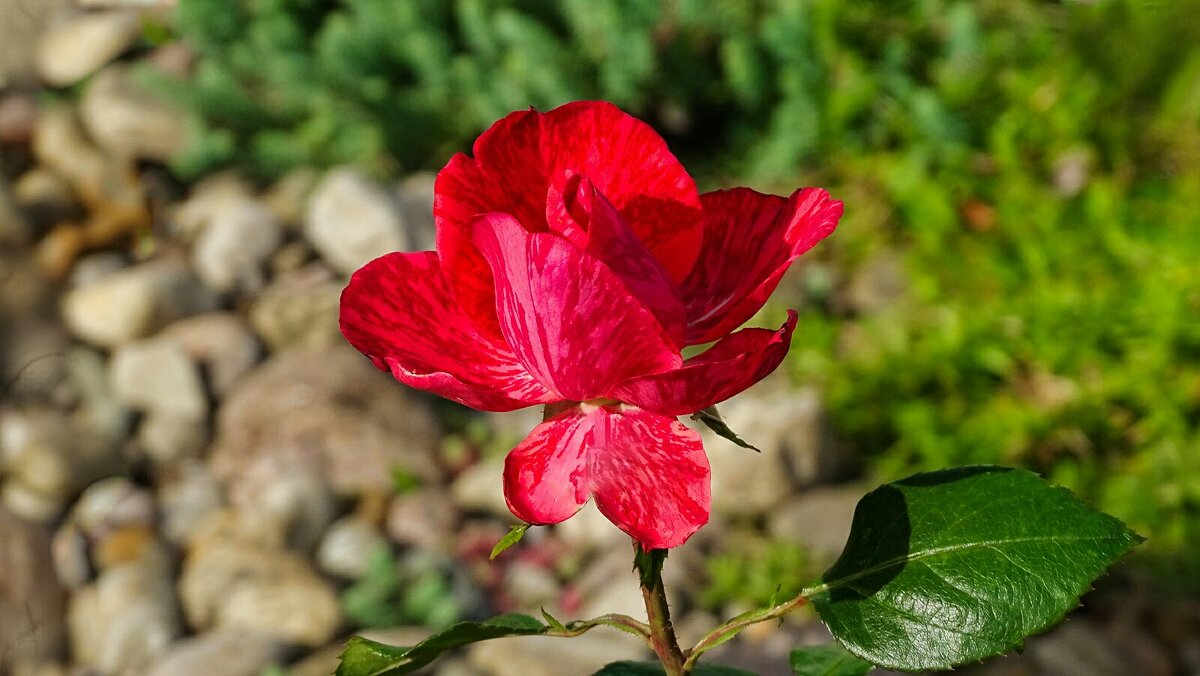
(514, 535)
(628, 668)
(954, 566)
(713, 421)
(830, 659)
(363, 657)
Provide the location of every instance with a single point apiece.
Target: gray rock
(127, 619)
(31, 599)
(288, 492)
(425, 519)
(188, 496)
(287, 197)
(299, 310)
(348, 547)
(156, 375)
(353, 424)
(228, 584)
(166, 438)
(480, 488)
(351, 221)
(237, 236)
(220, 653)
(818, 518)
(221, 343)
(788, 425)
(129, 120)
(539, 656)
(134, 302)
(415, 194)
(24, 24)
(82, 44)
(33, 455)
(110, 504)
(531, 586)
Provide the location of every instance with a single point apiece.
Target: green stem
(662, 632)
(734, 626)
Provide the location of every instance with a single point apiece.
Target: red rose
(574, 260)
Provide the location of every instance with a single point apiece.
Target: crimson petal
(732, 365)
(399, 311)
(516, 160)
(584, 217)
(546, 477)
(649, 476)
(569, 319)
(750, 239)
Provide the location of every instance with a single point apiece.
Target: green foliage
(363, 657)
(954, 566)
(830, 659)
(392, 593)
(756, 572)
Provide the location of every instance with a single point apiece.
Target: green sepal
(514, 535)
(713, 421)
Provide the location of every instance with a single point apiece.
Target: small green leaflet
(656, 669)
(713, 420)
(954, 566)
(830, 659)
(515, 533)
(363, 657)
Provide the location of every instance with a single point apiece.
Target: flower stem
(662, 632)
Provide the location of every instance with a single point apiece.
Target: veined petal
(517, 159)
(569, 319)
(750, 239)
(649, 476)
(546, 477)
(734, 364)
(399, 311)
(584, 217)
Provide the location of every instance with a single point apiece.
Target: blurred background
(198, 477)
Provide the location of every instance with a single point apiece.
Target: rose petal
(732, 365)
(399, 311)
(517, 159)
(649, 476)
(750, 239)
(584, 217)
(546, 477)
(569, 319)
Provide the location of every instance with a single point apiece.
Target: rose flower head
(575, 260)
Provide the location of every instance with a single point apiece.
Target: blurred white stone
(127, 619)
(480, 488)
(133, 302)
(351, 220)
(220, 653)
(348, 546)
(221, 343)
(156, 375)
(81, 44)
(129, 120)
(237, 237)
(299, 309)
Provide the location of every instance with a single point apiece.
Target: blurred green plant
(393, 593)
(756, 572)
